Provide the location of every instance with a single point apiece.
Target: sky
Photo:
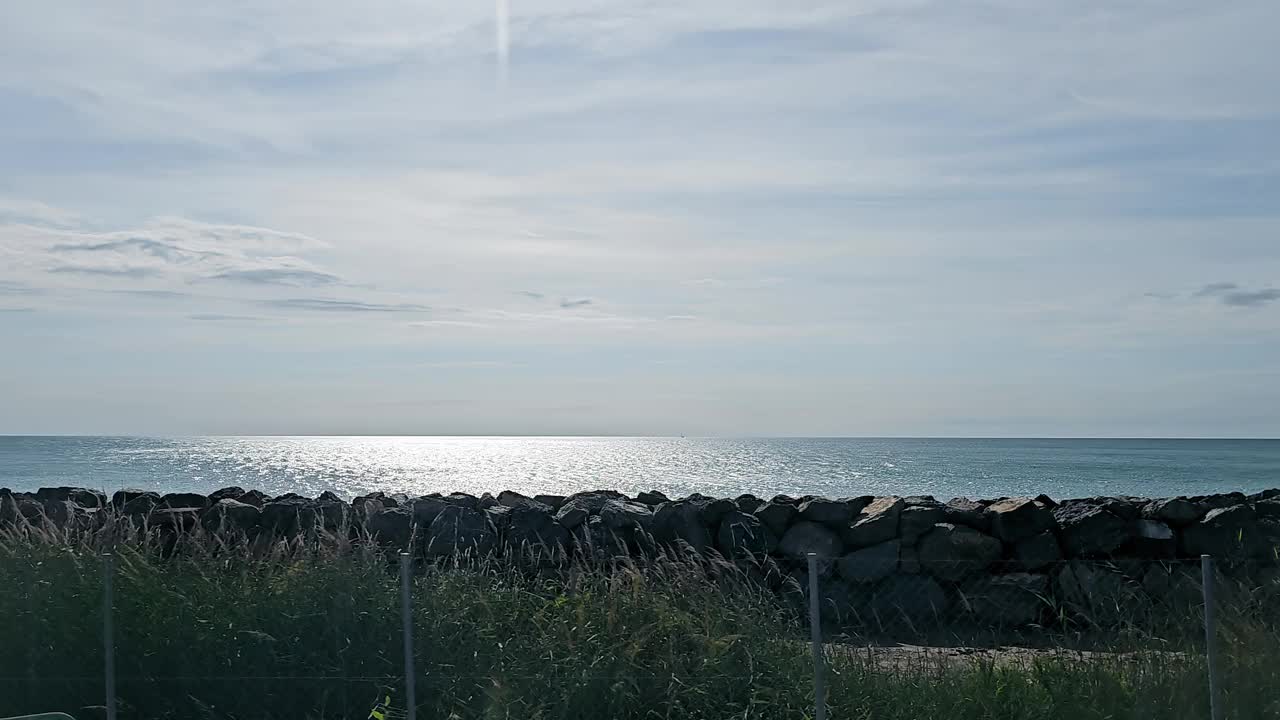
(726, 217)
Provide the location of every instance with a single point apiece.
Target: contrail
(502, 40)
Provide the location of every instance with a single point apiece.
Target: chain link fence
(315, 628)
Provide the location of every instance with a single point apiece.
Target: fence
(302, 632)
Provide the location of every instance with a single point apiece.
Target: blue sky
(799, 218)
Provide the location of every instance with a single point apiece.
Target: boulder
(463, 500)
(1178, 511)
(963, 511)
(951, 552)
(230, 492)
(577, 508)
(1037, 552)
(1090, 529)
(552, 501)
(328, 496)
(714, 511)
(680, 520)
(1230, 532)
(533, 525)
(333, 515)
(776, 516)
(652, 498)
(1011, 600)
(510, 499)
(743, 535)
(487, 501)
(391, 527)
(806, 537)
(877, 523)
(870, 565)
(832, 513)
(288, 516)
(747, 503)
(1095, 593)
(1268, 508)
(572, 514)
(142, 504)
(179, 519)
(626, 515)
(909, 560)
(597, 540)
(1219, 501)
(1017, 519)
(83, 497)
(184, 500)
(425, 509)
(257, 498)
(916, 520)
(229, 514)
(1264, 495)
(913, 600)
(1151, 539)
(120, 498)
(459, 530)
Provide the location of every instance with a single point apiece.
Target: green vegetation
(227, 630)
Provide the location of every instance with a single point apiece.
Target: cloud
(344, 306)
(220, 317)
(568, 303)
(531, 294)
(175, 251)
(1234, 295)
(17, 309)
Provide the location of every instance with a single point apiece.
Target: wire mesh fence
(314, 628)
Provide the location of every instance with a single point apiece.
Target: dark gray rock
(552, 501)
(459, 531)
(1089, 529)
(714, 511)
(870, 565)
(487, 501)
(288, 516)
(595, 539)
(463, 500)
(332, 515)
(1178, 511)
(1017, 519)
(748, 503)
(83, 497)
(180, 519)
(256, 498)
(1037, 552)
(776, 516)
(1012, 600)
(577, 508)
(951, 552)
(142, 504)
(230, 492)
(832, 513)
(681, 520)
(426, 508)
(1230, 532)
(184, 500)
(806, 537)
(1219, 501)
(916, 520)
(514, 499)
(652, 498)
(909, 561)
(533, 526)
(911, 600)
(328, 496)
(1151, 539)
(392, 527)
(877, 523)
(1094, 592)
(1268, 508)
(744, 535)
(626, 515)
(1264, 495)
(963, 511)
(228, 514)
(120, 498)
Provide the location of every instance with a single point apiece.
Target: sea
(833, 467)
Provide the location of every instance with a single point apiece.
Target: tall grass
(222, 628)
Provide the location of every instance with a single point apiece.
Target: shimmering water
(677, 466)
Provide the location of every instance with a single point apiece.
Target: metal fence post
(406, 620)
(815, 629)
(1210, 636)
(108, 633)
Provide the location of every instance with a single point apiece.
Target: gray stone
(122, 497)
(392, 527)
(1012, 600)
(909, 561)
(1268, 508)
(916, 520)
(425, 509)
(83, 497)
(743, 535)
(1151, 539)
(1230, 532)
(184, 500)
(776, 516)
(877, 523)
(533, 526)
(652, 498)
(680, 520)
(832, 513)
(573, 513)
(142, 504)
(459, 530)
(231, 492)
(256, 498)
(807, 537)
(626, 515)
(1093, 592)
(1090, 530)
(229, 514)
(907, 599)
(1017, 519)
(870, 565)
(1178, 511)
(714, 511)
(507, 498)
(463, 500)
(1037, 552)
(552, 501)
(963, 511)
(748, 503)
(951, 552)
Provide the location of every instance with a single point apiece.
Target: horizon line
(620, 436)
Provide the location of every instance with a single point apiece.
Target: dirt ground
(918, 658)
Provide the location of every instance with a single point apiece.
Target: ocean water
(714, 466)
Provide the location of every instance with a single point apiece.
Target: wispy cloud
(344, 306)
(220, 317)
(575, 302)
(279, 276)
(1234, 295)
(531, 294)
